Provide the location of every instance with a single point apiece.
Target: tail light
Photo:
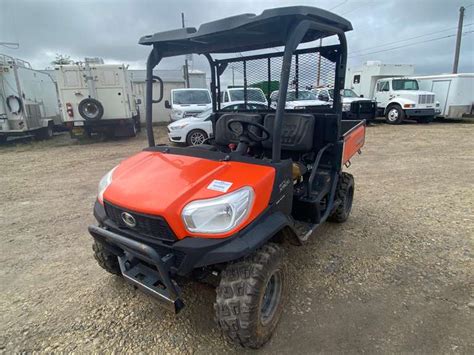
(69, 110)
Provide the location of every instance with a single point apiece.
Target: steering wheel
(246, 132)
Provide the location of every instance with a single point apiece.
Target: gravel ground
(397, 277)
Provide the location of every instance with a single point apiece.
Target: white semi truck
(397, 96)
(98, 98)
(28, 101)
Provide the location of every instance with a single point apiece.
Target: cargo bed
(353, 132)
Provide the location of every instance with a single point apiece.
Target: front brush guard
(157, 283)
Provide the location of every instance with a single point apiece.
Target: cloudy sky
(423, 29)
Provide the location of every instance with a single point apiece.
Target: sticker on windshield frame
(219, 185)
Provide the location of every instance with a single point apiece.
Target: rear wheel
(394, 115)
(251, 296)
(196, 137)
(345, 196)
(105, 259)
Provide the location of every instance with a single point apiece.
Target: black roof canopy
(247, 32)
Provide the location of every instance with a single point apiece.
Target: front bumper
(136, 252)
(176, 136)
(420, 112)
(156, 282)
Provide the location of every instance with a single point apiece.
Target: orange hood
(156, 183)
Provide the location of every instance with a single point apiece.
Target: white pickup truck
(400, 98)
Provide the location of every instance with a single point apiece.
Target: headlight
(177, 112)
(346, 107)
(180, 126)
(103, 184)
(220, 214)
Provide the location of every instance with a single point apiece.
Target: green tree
(62, 60)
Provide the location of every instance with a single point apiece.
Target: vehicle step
(149, 281)
(304, 230)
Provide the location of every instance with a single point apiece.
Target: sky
(111, 29)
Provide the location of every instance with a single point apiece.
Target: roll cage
(286, 27)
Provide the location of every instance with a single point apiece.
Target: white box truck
(397, 96)
(28, 100)
(98, 98)
(455, 93)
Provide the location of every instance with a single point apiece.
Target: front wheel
(251, 297)
(345, 196)
(394, 115)
(105, 259)
(196, 137)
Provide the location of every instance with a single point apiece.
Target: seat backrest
(297, 131)
(224, 136)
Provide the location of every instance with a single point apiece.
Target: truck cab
(236, 95)
(400, 98)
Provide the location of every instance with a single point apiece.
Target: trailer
(455, 92)
(98, 98)
(28, 100)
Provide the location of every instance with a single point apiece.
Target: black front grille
(150, 226)
(362, 107)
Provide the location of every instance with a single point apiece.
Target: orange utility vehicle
(223, 209)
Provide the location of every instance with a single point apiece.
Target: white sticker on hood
(219, 185)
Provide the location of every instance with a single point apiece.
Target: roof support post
(294, 39)
(153, 59)
(213, 87)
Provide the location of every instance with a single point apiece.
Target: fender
(242, 244)
(401, 101)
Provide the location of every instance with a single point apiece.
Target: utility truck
(28, 100)
(98, 98)
(397, 96)
(353, 106)
(222, 211)
(455, 93)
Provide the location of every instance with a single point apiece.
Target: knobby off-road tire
(106, 259)
(345, 194)
(251, 297)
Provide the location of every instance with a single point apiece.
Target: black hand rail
(157, 78)
(315, 167)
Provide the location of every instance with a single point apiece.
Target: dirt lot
(397, 277)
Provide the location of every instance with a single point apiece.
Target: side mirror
(323, 98)
(167, 104)
(361, 95)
